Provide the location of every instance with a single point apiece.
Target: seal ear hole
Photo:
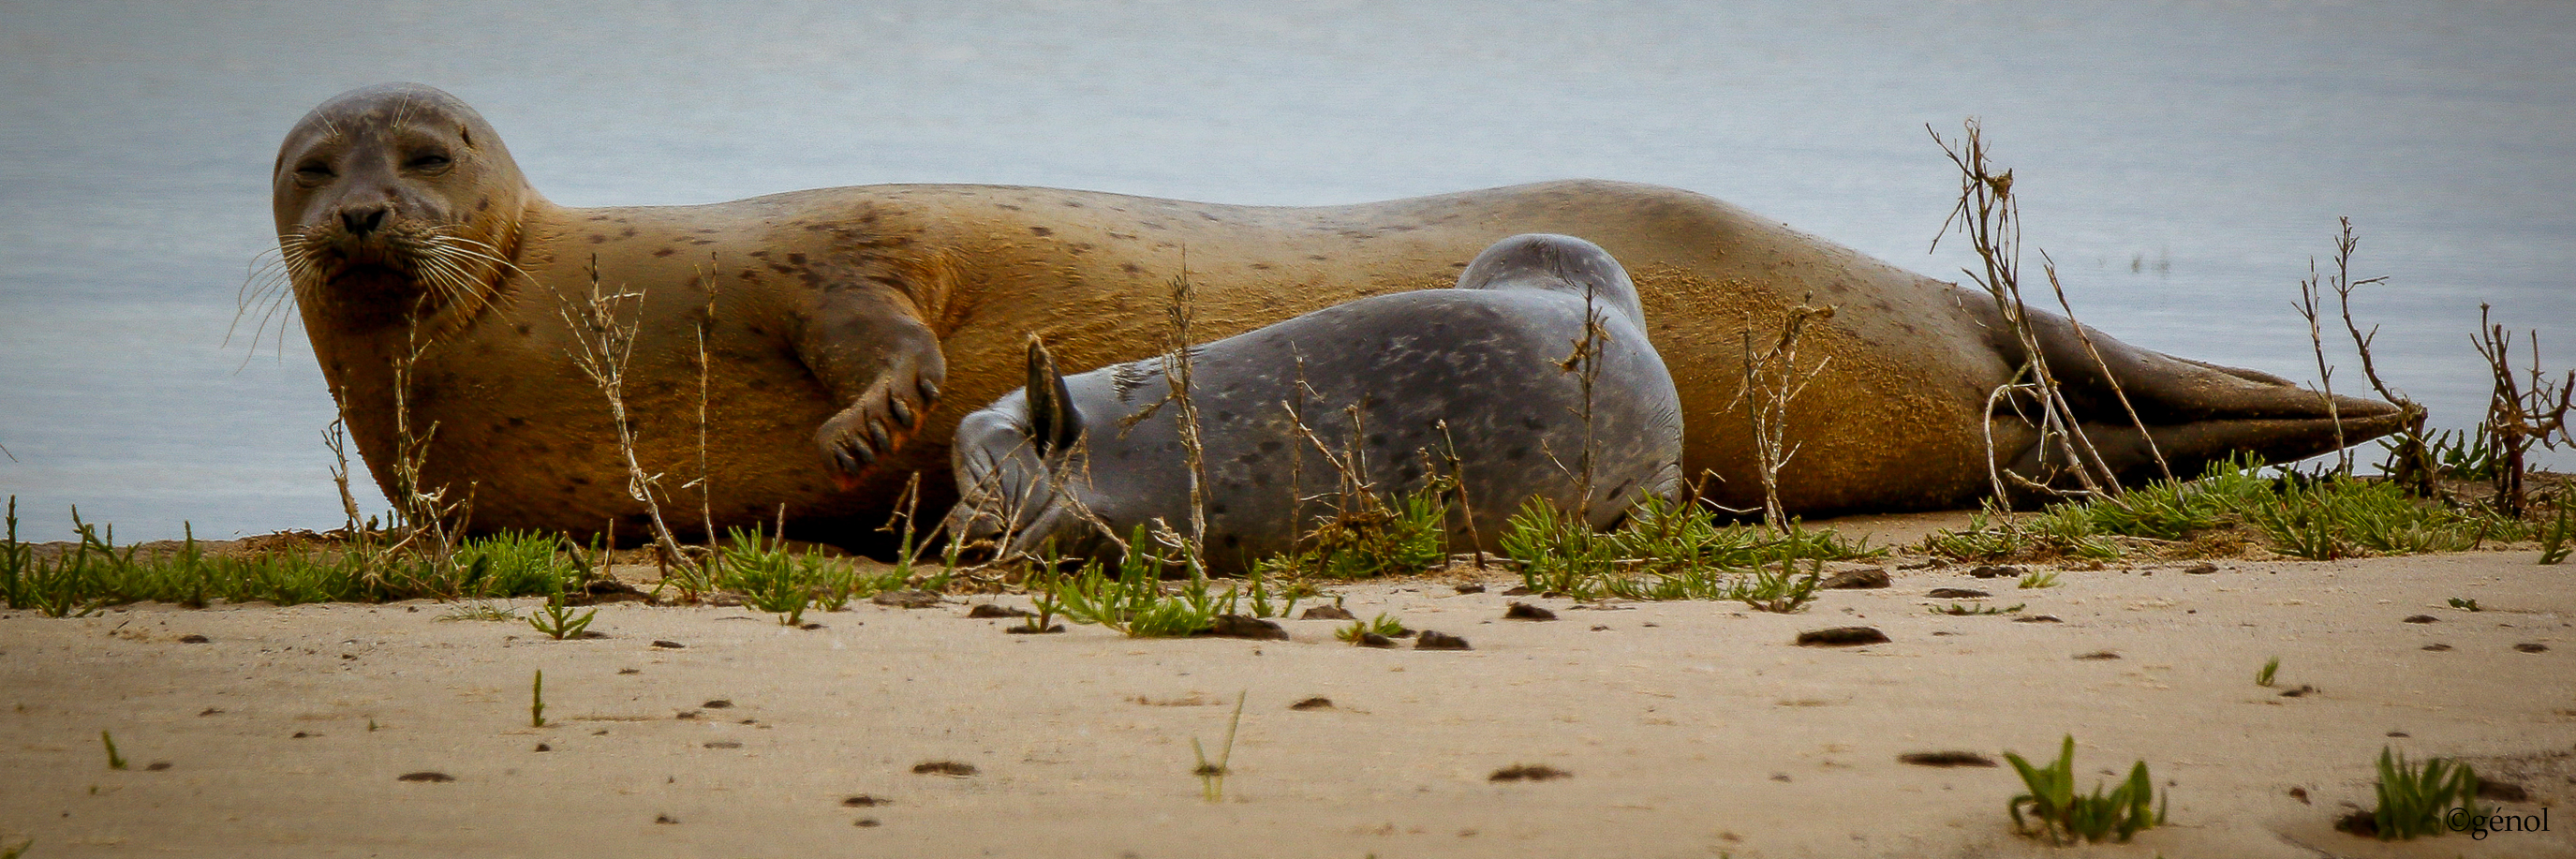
(465, 133)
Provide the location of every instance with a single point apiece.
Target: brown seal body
(847, 330)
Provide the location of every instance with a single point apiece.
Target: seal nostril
(360, 222)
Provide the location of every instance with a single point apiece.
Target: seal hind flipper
(2194, 412)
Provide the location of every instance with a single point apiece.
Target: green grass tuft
(2414, 797)
(2062, 815)
(1668, 551)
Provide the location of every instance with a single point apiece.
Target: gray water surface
(2181, 161)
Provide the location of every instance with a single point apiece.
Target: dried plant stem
(605, 340)
(1988, 216)
(2307, 307)
(2049, 267)
(2409, 463)
(2525, 407)
(1771, 380)
(1585, 362)
(426, 513)
(1176, 374)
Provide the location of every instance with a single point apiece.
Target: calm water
(2181, 161)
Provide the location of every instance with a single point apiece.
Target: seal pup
(1533, 369)
(847, 330)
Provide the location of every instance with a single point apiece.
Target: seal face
(397, 199)
(1501, 375)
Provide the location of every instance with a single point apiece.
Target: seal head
(397, 202)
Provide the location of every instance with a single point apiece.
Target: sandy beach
(1680, 729)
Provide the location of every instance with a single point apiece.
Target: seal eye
(314, 173)
(430, 163)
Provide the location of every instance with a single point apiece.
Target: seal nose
(362, 220)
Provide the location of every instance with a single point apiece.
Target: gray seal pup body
(1500, 375)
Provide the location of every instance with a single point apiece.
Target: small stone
(2303, 691)
(1957, 594)
(1525, 611)
(2038, 618)
(718, 704)
(946, 768)
(668, 645)
(906, 599)
(867, 823)
(722, 744)
(1327, 612)
(2096, 656)
(984, 610)
(1527, 772)
(1860, 579)
(1995, 571)
(426, 776)
(2532, 647)
(1471, 589)
(2201, 569)
(1946, 759)
(157, 766)
(1430, 640)
(2421, 618)
(1025, 629)
(864, 801)
(194, 639)
(2436, 647)
(1371, 639)
(1246, 626)
(1518, 591)
(1318, 702)
(665, 818)
(544, 748)
(1841, 636)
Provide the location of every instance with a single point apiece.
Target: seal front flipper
(868, 346)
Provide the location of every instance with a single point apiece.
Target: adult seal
(847, 330)
(1532, 378)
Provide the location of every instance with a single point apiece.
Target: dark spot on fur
(523, 329)
(518, 422)
(1515, 454)
(795, 259)
(1132, 268)
(1041, 232)
(598, 239)
(1261, 266)
(1318, 257)
(627, 233)
(1270, 446)
(666, 252)
(599, 217)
